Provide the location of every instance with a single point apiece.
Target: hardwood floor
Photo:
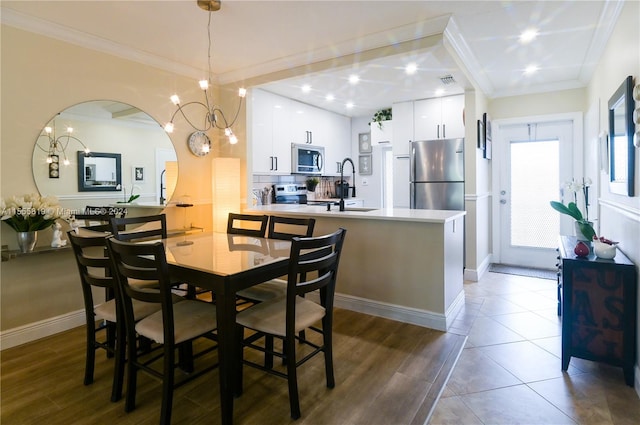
(387, 372)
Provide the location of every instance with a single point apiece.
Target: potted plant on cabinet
(381, 115)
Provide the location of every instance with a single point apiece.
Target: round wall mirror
(105, 153)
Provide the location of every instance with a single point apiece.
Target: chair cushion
(107, 310)
(270, 316)
(265, 291)
(191, 319)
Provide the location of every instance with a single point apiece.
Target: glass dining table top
(224, 254)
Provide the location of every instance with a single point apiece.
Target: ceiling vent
(447, 80)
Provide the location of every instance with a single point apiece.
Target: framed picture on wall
(481, 139)
(487, 136)
(364, 143)
(364, 165)
(138, 174)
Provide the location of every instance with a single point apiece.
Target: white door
(535, 161)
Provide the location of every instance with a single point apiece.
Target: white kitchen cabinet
(439, 118)
(402, 127)
(401, 196)
(337, 143)
(270, 138)
(383, 133)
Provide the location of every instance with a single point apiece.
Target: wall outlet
(365, 182)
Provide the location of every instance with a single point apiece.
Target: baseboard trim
(414, 316)
(475, 275)
(33, 331)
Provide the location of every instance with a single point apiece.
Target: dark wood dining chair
(247, 224)
(139, 228)
(313, 268)
(174, 326)
(98, 219)
(94, 268)
(281, 228)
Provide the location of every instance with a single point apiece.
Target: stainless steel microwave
(307, 159)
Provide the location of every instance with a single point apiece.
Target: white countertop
(394, 214)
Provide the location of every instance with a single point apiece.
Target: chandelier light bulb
(66, 161)
(233, 139)
(214, 117)
(227, 132)
(69, 130)
(48, 130)
(205, 148)
(49, 159)
(87, 151)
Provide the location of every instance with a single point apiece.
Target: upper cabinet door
(261, 124)
(402, 127)
(439, 118)
(427, 124)
(382, 133)
(453, 117)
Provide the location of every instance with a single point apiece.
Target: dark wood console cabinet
(599, 300)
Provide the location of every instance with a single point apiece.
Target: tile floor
(509, 371)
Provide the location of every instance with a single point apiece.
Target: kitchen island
(398, 263)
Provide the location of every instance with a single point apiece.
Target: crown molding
(59, 32)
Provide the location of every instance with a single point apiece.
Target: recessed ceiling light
(411, 68)
(439, 92)
(531, 69)
(306, 88)
(528, 35)
(329, 98)
(353, 79)
(349, 105)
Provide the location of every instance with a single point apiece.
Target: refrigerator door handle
(412, 164)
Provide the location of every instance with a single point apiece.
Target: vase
(27, 241)
(579, 235)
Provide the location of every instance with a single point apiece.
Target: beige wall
(40, 77)
(620, 215)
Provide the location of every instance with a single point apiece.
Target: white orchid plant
(31, 212)
(572, 210)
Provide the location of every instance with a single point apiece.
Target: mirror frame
(623, 96)
(82, 187)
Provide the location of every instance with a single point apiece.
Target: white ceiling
(474, 41)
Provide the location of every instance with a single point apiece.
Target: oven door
(307, 159)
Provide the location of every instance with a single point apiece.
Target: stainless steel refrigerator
(437, 174)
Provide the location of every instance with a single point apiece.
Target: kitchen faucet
(353, 169)
(162, 198)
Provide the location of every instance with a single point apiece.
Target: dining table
(225, 264)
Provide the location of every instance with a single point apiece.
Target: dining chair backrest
(313, 266)
(247, 224)
(136, 228)
(125, 263)
(98, 218)
(93, 265)
(286, 228)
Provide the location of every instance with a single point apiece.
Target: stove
(290, 193)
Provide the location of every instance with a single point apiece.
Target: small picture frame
(138, 174)
(364, 165)
(54, 167)
(364, 143)
(481, 139)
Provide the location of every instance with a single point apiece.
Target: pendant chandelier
(58, 145)
(214, 117)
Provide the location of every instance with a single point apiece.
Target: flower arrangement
(31, 212)
(381, 115)
(572, 210)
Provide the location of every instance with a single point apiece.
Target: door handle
(503, 201)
